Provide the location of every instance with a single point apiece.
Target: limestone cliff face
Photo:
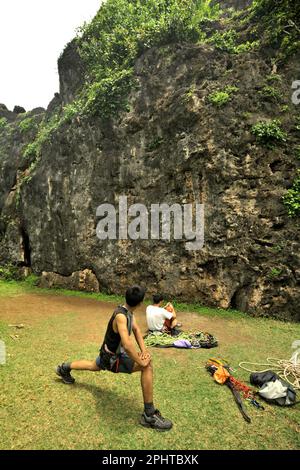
(71, 73)
(173, 146)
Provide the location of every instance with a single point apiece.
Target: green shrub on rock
(3, 123)
(270, 93)
(292, 198)
(221, 97)
(269, 133)
(27, 125)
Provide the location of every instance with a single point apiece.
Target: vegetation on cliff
(120, 33)
(279, 24)
(123, 30)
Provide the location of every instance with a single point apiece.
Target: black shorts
(123, 365)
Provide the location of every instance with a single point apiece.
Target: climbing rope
(288, 370)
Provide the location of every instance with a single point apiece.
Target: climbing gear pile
(221, 372)
(187, 340)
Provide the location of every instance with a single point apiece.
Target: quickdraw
(220, 370)
(241, 387)
(247, 392)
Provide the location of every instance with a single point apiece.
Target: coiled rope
(288, 370)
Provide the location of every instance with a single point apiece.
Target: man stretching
(119, 355)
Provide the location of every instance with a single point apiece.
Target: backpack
(273, 389)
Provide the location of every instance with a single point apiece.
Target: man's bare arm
(139, 337)
(126, 341)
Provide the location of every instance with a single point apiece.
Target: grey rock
(19, 110)
(172, 147)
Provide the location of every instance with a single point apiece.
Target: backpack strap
(128, 314)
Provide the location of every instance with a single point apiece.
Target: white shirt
(156, 317)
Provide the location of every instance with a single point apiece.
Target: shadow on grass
(118, 409)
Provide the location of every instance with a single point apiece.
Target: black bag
(262, 379)
(108, 361)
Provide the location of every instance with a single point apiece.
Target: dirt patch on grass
(90, 316)
(226, 330)
(36, 307)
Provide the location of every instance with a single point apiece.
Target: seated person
(159, 318)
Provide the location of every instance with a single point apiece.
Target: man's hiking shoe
(156, 421)
(65, 375)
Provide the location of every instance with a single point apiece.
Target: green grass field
(101, 411)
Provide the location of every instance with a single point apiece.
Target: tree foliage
(121, 31)
(279, 23)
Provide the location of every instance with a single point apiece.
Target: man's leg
(64, 371)
(146, 381)
(85, 365)
(151, 417)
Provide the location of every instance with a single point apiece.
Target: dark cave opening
(26, 248)
(234, 301)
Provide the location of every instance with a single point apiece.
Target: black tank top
(112, 339)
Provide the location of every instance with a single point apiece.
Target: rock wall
(173, 146)
(71, 73)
